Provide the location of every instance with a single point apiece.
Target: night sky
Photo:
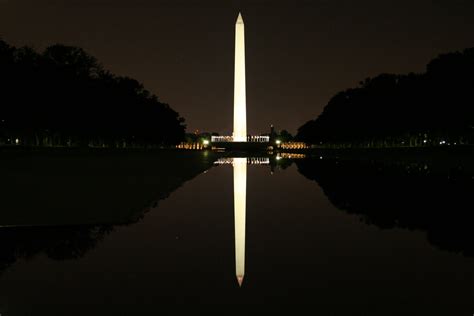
(299, 53)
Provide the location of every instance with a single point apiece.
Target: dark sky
(299, 53)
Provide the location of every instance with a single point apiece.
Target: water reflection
(248, 160)
(57, 243)
(240, 192)
(322, 256)
(239, 166)
(435, 197)
(64, 204)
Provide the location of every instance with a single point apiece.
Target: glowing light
(250, 161)
(240, 105)
(221, 139)
(278, 142)
(205, 142)
(293, 155)
(17, 141)
(294, 145)
(278, 157)
(258, 139)
(240, 192)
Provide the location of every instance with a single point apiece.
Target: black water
(338, 238)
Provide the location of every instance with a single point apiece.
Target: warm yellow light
(205, 142)
(278, 142)
(240, 192)
(240, 106)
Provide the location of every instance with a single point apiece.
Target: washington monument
(240, 135)
(240, 104)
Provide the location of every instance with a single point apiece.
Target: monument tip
(240, 279)
(239, 18)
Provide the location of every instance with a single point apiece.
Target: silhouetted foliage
(58, 243)
(433, 108)
(414, 195)
(284, 136)
(44, 212)
(64, 97)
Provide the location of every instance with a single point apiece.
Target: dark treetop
(64, 97)
(299, 53)
(432, 108)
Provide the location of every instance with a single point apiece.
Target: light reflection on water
(240, 199)
(321, 242)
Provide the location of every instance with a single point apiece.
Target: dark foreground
(338, 235)
(72, 187)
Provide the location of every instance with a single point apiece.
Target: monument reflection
(239, 166)
(240, 192)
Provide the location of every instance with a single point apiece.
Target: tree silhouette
(433, 108)
(415, 195)
(64, 97)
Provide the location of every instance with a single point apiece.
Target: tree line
(63, 96)
(432, 108)
(434, 196)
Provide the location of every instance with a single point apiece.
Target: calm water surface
(289, 245)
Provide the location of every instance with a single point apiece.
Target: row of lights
(206, 142)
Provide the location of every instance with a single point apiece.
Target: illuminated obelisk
(240, 192)
(240, 104)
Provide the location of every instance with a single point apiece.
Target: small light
(424, 141)
(205, 142)
(321, 157)
(278, 157)
(17, 141)
(278, 142)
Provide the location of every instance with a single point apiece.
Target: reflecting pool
(236, 235)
